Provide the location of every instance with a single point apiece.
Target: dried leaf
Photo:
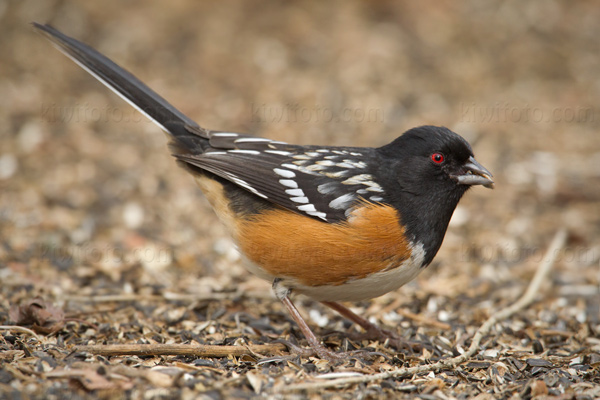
(538, 388)
(538, 362)
(42, 316)
(90, 379)
(255, 380)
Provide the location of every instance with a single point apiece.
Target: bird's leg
(282, 294)
(372, 331)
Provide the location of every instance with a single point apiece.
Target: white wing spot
(300, 168)
(215, 153)
(295, 192)
(245, 185)
(307, 208)
(318, 214)
(326, 163)
(251, 140)
(312, 154)
(376, 198)
(361, 179)
(301, 157)
(357, 164)
(373, 187)
(342, 202)
(289, 183)
(322, 151)
(302, 200)
(315, 167)
(284, 173)
(278, 152)
(336, 175)
(311, 210)
(345, 165)
(290, 166)
(300, 162)
(225, 134)
(327, 188)
(252, 152)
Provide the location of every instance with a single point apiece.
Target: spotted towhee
(333, 223)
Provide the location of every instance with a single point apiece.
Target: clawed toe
(386, 336)
(318, 351)
(331, 356)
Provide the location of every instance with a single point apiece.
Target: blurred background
(92, 203)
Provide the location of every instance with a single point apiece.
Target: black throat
(425, 209)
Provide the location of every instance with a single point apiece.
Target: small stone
(444, 316)
(490, 353)
(538, 388)
(133, 215)
(8, 165)
(30, 136)
(318, 318)
(154, 258)
(460, 217)
(537, 347)
(538, 362)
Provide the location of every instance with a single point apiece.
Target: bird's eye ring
(437, 158)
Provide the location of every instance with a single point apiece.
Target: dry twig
(19, 329)
(167, 296)
(181, 350)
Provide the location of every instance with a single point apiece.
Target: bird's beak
(473, 173)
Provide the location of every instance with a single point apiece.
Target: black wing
(322, 182)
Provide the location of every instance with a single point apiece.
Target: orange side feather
(286, 244)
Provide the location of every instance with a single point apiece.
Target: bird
(333, 223)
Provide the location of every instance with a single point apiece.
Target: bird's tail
(188, 136)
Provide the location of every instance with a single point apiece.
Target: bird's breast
(369, 254)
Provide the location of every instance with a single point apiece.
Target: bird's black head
(429, 168)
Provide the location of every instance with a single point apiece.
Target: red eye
(437, 158)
